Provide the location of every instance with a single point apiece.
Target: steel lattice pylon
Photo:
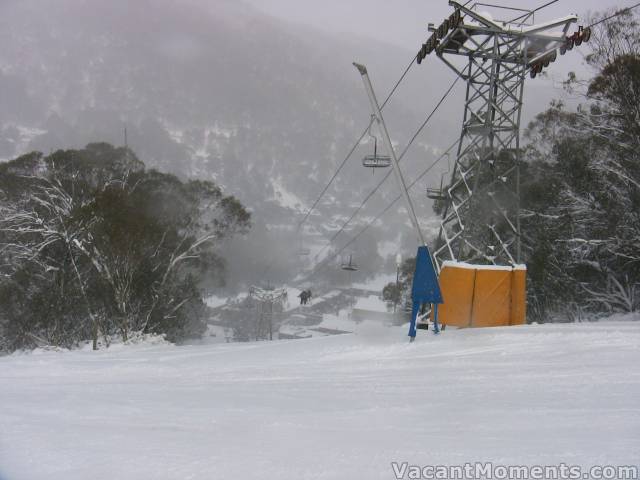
(480, 219)
(267, 297)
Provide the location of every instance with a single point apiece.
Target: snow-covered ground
(339, 407)
(371, 302)
(330, 325)
(376, 283)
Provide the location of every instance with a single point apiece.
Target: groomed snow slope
(339, 407)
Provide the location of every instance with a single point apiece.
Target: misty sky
(403, 22)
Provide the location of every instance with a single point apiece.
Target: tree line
(94, 245)
(581, 187)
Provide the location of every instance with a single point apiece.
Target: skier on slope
(303, 297)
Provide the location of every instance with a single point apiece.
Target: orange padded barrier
(519, 297)
(456, 285)
(482, 296)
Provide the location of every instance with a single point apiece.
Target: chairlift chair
(436, 194)
(349, 266)
(302, 251)
(440, 193)
(375, 160)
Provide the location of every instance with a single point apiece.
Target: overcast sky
(403, 22)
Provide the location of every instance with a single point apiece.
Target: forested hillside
(581, 187)
(210, 90)
(92, 244)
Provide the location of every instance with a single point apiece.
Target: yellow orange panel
(519, 297)
(457, 286)
(491, 299)
(482, 296)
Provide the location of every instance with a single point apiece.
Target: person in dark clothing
(303, 297)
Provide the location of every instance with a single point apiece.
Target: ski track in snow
(340, 407)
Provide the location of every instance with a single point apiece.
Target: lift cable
(353, 149)
(346, 159)
(619, 12)
(384, 179)
(325, 262)
(528, 14)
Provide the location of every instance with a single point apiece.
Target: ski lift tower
(480, 221)
(267, 297)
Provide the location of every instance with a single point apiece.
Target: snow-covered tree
(581, 185)
(133, 248)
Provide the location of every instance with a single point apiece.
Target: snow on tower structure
(480, 205)
(478, 253)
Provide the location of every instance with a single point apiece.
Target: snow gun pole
(425, 288)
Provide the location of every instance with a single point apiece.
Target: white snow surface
(372, 303)
(286, 198)
(214, 301)
(376, 283)
(339, 407)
